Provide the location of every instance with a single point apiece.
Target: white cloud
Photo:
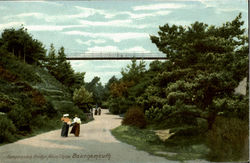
(225, 5)
(39, 1)
(103, 49)
(106, 23)
(11, 25)
(114, 49)
(114, 23)
(51, 27)
(92, 11)
(103, 69)
(142, 16)
(63, 18)
(50, 18)
(24, 15)
(111, 14)
(136, 49)
(159, 6)
(116, 37)
(89, 42)
(44, 28)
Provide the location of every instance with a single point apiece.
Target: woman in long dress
(65, 127)
(99, 111)
(76, 126)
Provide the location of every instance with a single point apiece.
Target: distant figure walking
(95, 111)
(99, 111)
(76, 126)
(65, 127)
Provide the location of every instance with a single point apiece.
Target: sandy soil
(95, 144)
(163, 134)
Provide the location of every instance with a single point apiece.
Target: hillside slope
(31, 100)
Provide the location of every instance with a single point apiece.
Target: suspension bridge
(116, 56)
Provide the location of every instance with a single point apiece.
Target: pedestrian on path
(99, 111)
(76, 126)
(65, 127)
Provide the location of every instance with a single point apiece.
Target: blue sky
(110, 26)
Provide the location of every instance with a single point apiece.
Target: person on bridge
(65, 127)
(76, 126)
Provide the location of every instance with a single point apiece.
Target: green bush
(21, 117)
(135, 117)
(16, 69)
(43, 123)
(118, 105)
(172, 97)
(72, 110)
(228, 140)
(49, 109)
(7, 129)
(236, 106)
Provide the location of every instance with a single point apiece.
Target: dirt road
(95, 145)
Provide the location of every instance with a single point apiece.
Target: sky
(111, 26)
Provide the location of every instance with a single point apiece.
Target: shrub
(7, 75)
(21, 117)
(134, 117)
(118, 105)
(172, 97)
(72, 110)
(7, 129)
(49, 109)
(236, 106)
(37, 98)
(82, 96)
(228, 140)
(155, 114)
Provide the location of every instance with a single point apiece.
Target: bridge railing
(116, 56)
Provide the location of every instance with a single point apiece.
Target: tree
(21, 44)
(51, 60)
(82, 97)
(97, 89)
(79, 79)
(133, 72)
(210, 55)
(62, 70)
(124, 91)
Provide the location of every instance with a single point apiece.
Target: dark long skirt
(75, 129)
(65, 129)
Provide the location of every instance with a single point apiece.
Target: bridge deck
(116, 58)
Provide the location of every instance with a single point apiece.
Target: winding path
(95, 145)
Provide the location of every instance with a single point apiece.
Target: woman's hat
(65, 115)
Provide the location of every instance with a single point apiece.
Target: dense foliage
(61, 69)
(228, 140)
(135, 117)
(21, 44)
(97, 90)
(82, 98)
(197, 83)
(35, 89)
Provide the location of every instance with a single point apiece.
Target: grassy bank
(175, 148)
